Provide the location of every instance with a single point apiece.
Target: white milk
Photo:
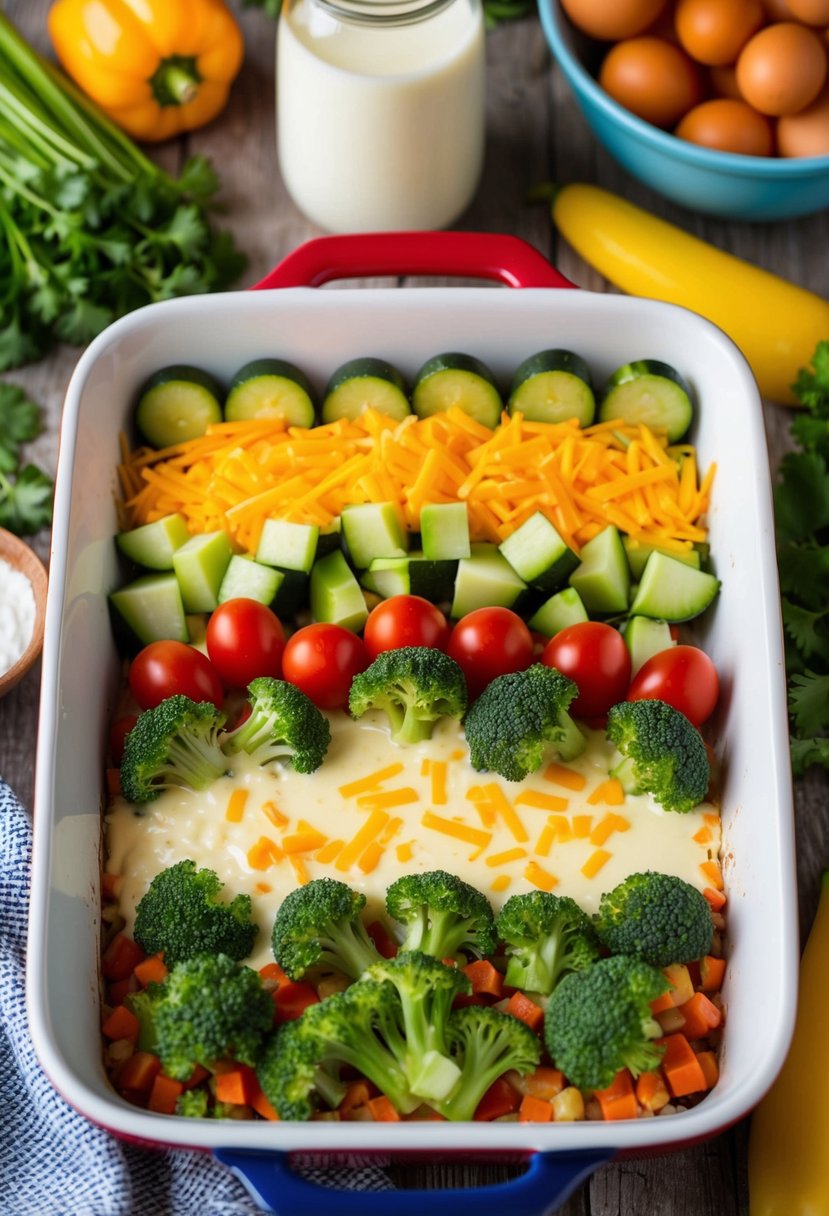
(380, 127)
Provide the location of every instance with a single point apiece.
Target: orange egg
(652, 78)
(715, 31)
(810, 12)
(614, 20)
(782, 69)
(806, 133)
(724, 82)
(729, 126)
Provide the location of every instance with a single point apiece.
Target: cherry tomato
(165, 668)
(684, 676)
(245, 640)
(118, 732)
(405, 620)
(488, 643)
(595, 656)
(322, 660)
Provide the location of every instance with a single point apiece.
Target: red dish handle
(480, 255)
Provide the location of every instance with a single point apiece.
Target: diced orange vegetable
(164, 1094)
(526, 1010)
(711, 973)
(618, 1101)
(292, 999)
(121, 1024)
(707, 1061)
(534, 1110)
(358, 1093)
(682, 986)
(382, 1111)
(236, 805)
(121, 957)
(113, 781)
(680, 1067)
(117, 990)
(701, 1016)
(500, 1099)
(136, 1075)
(651, 1091)
(237, 1087)
(151, 970)
(109, 885)
(713, 873)
(485, 978)
(199, 1074)
(716, 899)
(384, 943)
(661, 1003)
(544, 1082)
(263, 1107)
(274, 973)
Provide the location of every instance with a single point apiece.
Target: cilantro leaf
(806, 752)
(804, 572)
(19, 422)
(801, 500)
(807, 629)
(26, 502)
(809, 702)
(812, 384)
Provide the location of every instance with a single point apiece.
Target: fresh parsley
(25, 493)
(802, 520)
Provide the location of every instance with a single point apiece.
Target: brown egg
(729, 126)
(810, 12)
(613, 20)
(652, 78)
(724, 82)
(806, 133)
(715, 31)
(782, 69)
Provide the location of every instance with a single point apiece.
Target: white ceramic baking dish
(318, 330)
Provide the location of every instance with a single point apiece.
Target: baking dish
(318, 330)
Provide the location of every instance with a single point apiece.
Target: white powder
(17, 615)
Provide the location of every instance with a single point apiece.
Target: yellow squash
(774, 323)
(788, 1163)
(157, 67)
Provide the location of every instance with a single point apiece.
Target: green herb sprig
(25, 492)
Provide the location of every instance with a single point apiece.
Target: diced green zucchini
(537, 552)
(270, 388)
(673, 591)
(373, 529)
(602, 578)
(292, 596)
(153, 545)
(444, 530)
(288, 545)
(176, 404)
(248, 579)
(649, 392)
(365, 384)
(200, 566)
(645, 638)
(151, 606)
(560, 610)
(485, 579)
(553, 386)
(411, 575)
(461, 380)
(336, 596)
(638, 553)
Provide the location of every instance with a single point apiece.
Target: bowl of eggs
(721, 105)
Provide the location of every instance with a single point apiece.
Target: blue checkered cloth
(52, 1161)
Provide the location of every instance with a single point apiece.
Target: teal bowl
(758, 188)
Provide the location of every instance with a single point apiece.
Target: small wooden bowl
(18, 555)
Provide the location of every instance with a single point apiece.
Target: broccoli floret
(192, 1104)
(519, 718)
(600, 1020)
(174, 744)
(181, 914)
(545, 936)
(663, 754)
(657, 918)
(414, 686)
(291, 1075)
(210, 1008)
(426, 988)
(142, 1004)
(319, 924)
(442, 915)
(485, 1044)
(283, 725)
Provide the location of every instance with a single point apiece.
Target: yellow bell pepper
(157, 67)
(788, 1156)
(776, 324)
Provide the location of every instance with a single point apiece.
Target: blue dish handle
(546, 1185)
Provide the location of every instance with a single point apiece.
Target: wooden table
(535, 133)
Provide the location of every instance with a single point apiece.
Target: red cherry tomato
(245, 640)
(684, 676)
(163, 669)
(595, 656)
(488, 643)
(405, 620)
(322, 660)
(118, 732)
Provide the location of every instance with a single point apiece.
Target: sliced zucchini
(553, 386)
(461, 380)
(270, 388)
(200, 566)
(649, 392)
(485, 579)
(645, 638)
(365, 384)
(444, 530)
(411, 575)
(288, 545)
(537, 552)
(153, 545)
(151, 606)
(249, 579)
(673, 591)
(638, 553)
(602, 578)
(336, 596)
(176, 404)
(560, 610)
(373, 529)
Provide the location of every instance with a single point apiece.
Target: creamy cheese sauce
(256, 828)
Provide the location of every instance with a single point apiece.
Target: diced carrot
(358, 1093)
(534, 1110)
(109, 885)
(237, 1087)
(682, 987)
(136, 1075)
(680, 1067)
(707, 1061)
(274, 973)
(500, 1099)
(151, 970)
(199, 1074)
(470, 998)
(164, 1094)
(544, 1082)
(263, 1107)
(382, 1110)
(118, 989)
(701, 1016)
(661, 1003)
(291, 1001)
(712, 871)
(121, 1024)
(618, 1101)
(485, 978)
(711, 973)
(384, 943)
(716, 899)
(121, 957)
(520, 1006)
(651, 1091)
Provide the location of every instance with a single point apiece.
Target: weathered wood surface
(535, 133)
